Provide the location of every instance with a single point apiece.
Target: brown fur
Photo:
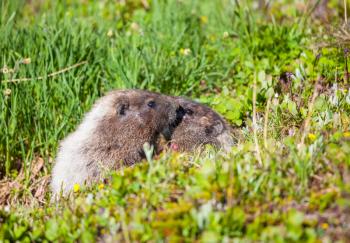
(112, 134)
(200, 125)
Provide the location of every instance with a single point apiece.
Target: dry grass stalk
(47, 76)
(257, 148)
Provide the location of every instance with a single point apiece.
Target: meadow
(278, 73)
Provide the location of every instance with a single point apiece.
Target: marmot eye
(151, 104)
(208, 130)
(189, 111)
(121, 110)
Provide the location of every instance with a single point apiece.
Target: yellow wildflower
(347, 134)
(226, 34)
(204, 19)
(110, 33)
(101, 186)
(76, 187)
(312, 136)
(26, 61)
(134, 26)
(325, 226)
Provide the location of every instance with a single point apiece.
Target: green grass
(212, 51)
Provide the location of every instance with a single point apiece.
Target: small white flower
(7, 92)
(89, 198)
(4, 70)
(7, 208)
(185, 51)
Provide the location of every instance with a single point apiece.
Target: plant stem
(267, 111)
(257, 148)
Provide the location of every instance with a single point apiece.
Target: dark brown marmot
(200, 125)
(112, 134)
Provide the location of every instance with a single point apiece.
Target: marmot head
(130, 118)
(200, 125)
(146, 110)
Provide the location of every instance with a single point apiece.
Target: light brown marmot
(200, 125)
(112, 134)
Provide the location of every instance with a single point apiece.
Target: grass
(297, 190)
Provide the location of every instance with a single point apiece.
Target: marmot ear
(122, 106)
(216, 128)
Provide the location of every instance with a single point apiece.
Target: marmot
(200, 125)
(113, 134)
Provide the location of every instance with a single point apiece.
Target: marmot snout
(112, 134)
(200, 125)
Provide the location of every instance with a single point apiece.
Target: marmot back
(112, 134)
(200, 125)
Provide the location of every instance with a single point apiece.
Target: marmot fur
(200, 125)
(112, 134)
